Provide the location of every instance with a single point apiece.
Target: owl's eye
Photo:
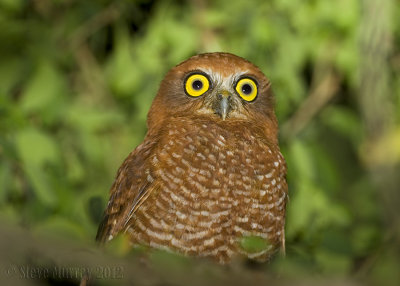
(197, 84)
(247, 89)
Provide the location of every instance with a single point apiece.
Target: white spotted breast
(218, 184)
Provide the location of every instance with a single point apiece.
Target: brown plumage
(209, 170)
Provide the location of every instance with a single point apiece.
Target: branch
(29, 259)
(324, 91)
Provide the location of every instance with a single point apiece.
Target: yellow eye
(197, 84)
(247, 89)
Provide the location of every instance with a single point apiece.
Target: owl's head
(219, 86)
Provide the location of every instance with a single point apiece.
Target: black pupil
(246, 88)
(197, 85)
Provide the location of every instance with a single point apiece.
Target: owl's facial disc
(223, 95)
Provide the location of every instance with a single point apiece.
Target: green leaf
(122, 71)
(5, 174)
(10, 72)
(41, 184)
(91, 120)
(44, 88)
(302, 160)
(254, 244)
(333, 263)
(345, 122)
(12, 5)
(61, 226)
(310, 210)
(120, 245)
(35, 147)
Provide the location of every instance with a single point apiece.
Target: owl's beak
(223, 106)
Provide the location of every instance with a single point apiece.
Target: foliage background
(77, 79)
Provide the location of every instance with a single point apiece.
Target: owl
(209, 172)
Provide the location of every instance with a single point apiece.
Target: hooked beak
(223, 104)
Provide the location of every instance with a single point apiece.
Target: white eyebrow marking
(222, 82)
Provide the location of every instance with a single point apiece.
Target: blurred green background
(78, 77)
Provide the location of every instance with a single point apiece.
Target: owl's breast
(218, 185)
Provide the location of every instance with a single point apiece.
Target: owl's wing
(133, 184)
